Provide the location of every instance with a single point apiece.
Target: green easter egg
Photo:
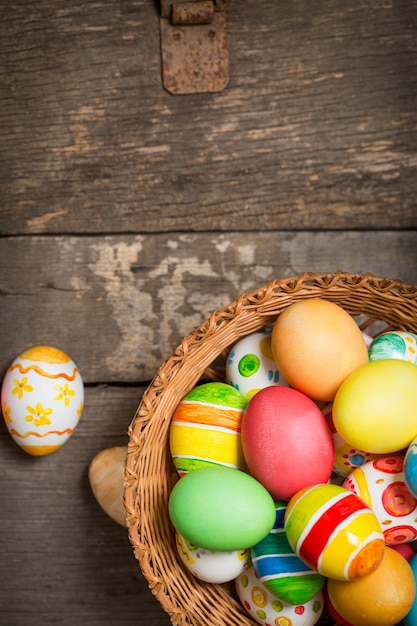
(221, 508)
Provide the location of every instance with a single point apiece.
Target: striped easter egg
(205, 428)
(279, 568)
(334, 531)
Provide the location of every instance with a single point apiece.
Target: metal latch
(193, 46)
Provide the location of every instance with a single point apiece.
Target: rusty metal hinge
(193, 46)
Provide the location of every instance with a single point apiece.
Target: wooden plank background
(127, 215)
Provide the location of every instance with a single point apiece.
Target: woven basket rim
(149, 473)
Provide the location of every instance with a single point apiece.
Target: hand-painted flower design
(65, 393)
(38, 415)
(6, 410)
(21, 386)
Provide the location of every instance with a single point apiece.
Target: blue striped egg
(280, 569)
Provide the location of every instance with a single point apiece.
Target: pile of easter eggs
(297, 475)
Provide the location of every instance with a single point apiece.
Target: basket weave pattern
(150, 474)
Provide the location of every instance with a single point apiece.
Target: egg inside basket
(376, 303)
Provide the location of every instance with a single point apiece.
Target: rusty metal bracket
(193, 46)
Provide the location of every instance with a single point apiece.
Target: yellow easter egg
(375, 408)
(383, 598)
(42, 398)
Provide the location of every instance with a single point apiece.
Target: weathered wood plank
(120, 304)
(63, 561)
(316, 128)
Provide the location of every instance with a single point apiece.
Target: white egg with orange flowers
(42, 398)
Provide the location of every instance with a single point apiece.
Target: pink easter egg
(286, 441)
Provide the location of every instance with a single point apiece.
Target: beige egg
(106, 475)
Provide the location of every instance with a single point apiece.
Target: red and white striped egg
(334, 532)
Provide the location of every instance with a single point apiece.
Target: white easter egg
(381, 484)
(42, 398)
(211, 566)
(268, 609)
(250, 365)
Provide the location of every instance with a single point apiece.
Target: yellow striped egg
(334, 532)
(42, 398)
(205, 428)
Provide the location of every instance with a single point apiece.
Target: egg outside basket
(377, 303)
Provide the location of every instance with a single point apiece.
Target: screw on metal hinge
(193, 46)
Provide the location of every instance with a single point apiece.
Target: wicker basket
(150, 474)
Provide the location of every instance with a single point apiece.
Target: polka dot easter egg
(380, 483)
(394, 345)
(250, 365)
(265, 608)
(334, 531)
(210, 565)
(280, 569)
(42, 399)
(205, 428)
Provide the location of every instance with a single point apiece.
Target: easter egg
(334, 531)
(265, 608)
(375, 408)
(250, 365)
(411, 618)
(286, 442)
(42, 399)
(346, 458)
(221, 508)
(106, 474)
(394, 345)
(205, 428)
(209, 565)
(279, 568)
(316, 345)
(380, 483)
(338, 619)
(383, 598)
(410, 467)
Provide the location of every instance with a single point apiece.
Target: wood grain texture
(120, 304)
(316, 128)
(63, 561)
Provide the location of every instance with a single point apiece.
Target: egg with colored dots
(205, 428)
(334, 532)
(380, 483)
(211, 566)
(266, 609)
(279, 568)
(42, 398)
(394, 345)
(250, 365)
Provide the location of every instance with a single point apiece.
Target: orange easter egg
(383, 598)
(316, 345)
